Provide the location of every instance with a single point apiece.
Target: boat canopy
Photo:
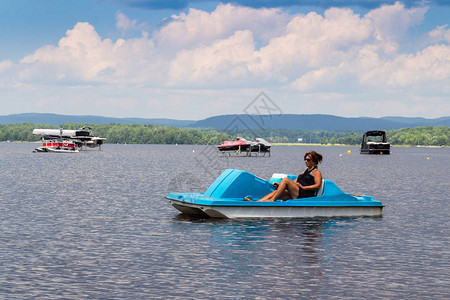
(375, 133)
(61, 132)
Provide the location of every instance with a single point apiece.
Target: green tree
(324, 141)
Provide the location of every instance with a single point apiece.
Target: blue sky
(194, 59)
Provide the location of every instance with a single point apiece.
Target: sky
(193, 59)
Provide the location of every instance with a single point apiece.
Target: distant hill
(426, 122)
(56, 120)
(241, 121)
(315, 121)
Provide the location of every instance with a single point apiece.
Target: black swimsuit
(306, 179)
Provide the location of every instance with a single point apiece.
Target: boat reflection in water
(288, 249)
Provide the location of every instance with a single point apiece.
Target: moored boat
(261, 145)
(375, 142)
(243, 147)
(58, 146)
(240, 144)
(225, 199)
(81, 137)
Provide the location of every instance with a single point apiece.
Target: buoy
(349, 151)
(381, 153)
(193, 151)
(428, 158)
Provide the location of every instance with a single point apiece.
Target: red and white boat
(81, 137)
(240, 144)
(58, 146)
(243, 147)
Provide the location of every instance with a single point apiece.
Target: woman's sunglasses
(307, 159)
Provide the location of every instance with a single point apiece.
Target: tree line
(121, 133)
(157, 134)
(425, 135)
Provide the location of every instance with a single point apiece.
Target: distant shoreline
(345, 145)
(273, 144)
(313, 144)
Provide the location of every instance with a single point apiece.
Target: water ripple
(95, 226)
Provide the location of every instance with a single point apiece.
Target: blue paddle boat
(225, 199)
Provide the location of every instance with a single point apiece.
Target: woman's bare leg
(286, 190)
(268, 196)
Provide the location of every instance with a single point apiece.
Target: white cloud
(199, 28)
(6, 73)
(430, 66)
(83, 57)
(392, 22)
(124, 24)
(224, 61)
(208, 49)
(339, 54)
(313, 42)
(80, 56)
(5, 65)
(440, 34)
(356, 53)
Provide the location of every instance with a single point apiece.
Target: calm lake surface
(95, 225)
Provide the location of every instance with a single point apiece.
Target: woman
(305, 186)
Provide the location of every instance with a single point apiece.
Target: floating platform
(246, 152)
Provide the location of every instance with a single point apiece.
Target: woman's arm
(317, 181)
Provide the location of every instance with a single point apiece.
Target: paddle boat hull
(224, 199)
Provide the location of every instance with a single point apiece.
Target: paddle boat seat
(320, 190)
(277, 177)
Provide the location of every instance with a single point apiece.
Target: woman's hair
(316, 157)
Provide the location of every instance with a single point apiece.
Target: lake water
(95, 225)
